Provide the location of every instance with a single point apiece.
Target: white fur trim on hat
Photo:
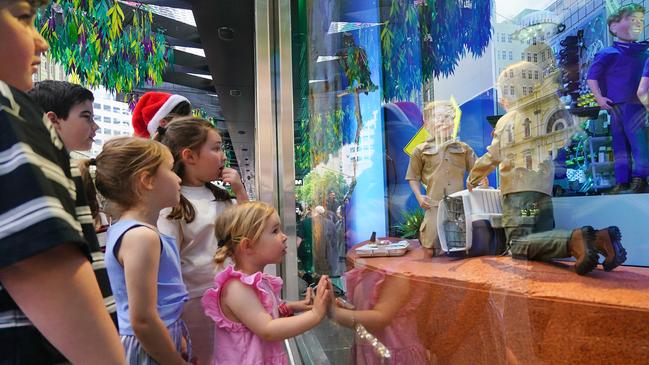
(166, 108)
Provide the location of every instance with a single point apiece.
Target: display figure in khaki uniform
(439, 164)
(527, 203)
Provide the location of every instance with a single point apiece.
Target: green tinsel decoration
(94, 45)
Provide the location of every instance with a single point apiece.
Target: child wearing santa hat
(155, 109)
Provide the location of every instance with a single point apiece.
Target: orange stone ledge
(498, 310)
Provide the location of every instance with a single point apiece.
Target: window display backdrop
(587, 168)
(397, 103)
(367, 70)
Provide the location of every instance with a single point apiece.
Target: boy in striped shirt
(69, 108)
(46, 283)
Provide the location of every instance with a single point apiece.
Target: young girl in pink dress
(251, 319)
(385, 304)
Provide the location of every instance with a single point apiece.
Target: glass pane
(398, 104)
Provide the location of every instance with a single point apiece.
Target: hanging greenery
(97, 44)
(427, 38)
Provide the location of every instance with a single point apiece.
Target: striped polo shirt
(38, 195)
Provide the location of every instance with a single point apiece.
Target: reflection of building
(362, 153)
(343, 161)
(541, 55)
(428, 91)
(508, 48)
(113, 118)
(49, 70)
(541, 126)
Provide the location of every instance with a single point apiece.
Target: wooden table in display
(498, 310)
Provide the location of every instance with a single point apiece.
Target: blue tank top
(172, 293)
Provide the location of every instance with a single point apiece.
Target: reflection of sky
(508, 9)
(367, 212)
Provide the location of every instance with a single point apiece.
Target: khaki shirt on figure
(441, 169)
(512, 179)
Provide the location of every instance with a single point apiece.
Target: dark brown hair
(188, 132)
(89, 186)
(183, 109)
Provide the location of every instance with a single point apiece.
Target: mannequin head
(627, 22)
(439, 116)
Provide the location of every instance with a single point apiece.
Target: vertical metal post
(286, 141)
(265, 121)
(275, 161)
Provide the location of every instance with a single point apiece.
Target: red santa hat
(152, 107)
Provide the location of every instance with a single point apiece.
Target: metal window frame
(275, 160)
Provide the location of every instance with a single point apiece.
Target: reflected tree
(320, 136)
(353, 60)
(423, 39)
(317, 185)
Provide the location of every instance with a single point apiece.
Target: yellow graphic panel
(420, 137)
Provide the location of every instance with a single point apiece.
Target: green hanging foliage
(97, 48)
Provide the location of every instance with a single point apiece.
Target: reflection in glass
(386, 305)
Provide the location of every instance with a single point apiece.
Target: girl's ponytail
(220, 194)
(222, 254)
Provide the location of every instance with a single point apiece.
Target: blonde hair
(120, 164)
(188, 132)
(246, 220)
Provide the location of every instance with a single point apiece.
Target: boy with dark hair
(46, 283)
(613, 78)
(69, 107)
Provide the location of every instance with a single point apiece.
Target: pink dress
(400, 336)
(234, 343)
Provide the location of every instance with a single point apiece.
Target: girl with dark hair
(199, 159)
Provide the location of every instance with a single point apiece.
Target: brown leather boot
(638, 185)
(608, 242)
(582, 247)
(619, 188)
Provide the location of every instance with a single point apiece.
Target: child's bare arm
(58, 292)
(394, 294)
(140, 256)
(242, 302)
(304, 304)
